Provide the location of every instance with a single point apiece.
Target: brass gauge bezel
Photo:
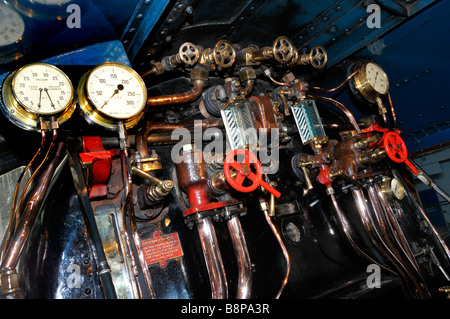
(364, 86)
(25, 118)
(387, 187)
(92, 113)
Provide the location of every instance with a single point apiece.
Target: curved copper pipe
(340, 106)
(340, 85)
(178, 98)
(142, 135)
(33, 176)
(242, 257)
(419, 290)
(30, 212)
(12, 222)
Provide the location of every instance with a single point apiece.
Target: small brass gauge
(44, 9)
(371, 81)
(111, 93)
(37, 92)
(392, 189)
(14, 37)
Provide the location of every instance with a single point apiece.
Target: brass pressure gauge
(371, 81)
(111, 93)
(392, 189)
(37, 92)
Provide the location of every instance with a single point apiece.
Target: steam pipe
(340, 106)
(213, 258)
(10, 230)
(178, 98)
(142, 135)
(10, 283)
(372, 230)
(419, 290)
(242, 256)
(129, 206)
(346, 227)
(266, 209)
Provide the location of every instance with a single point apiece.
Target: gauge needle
(46, 91)
(40, 97)
(119, 88)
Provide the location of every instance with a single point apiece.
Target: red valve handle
(395, 147)
(396, 150)
(244, 172)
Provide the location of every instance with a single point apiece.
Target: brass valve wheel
(283, 49)
(189, 53)
(224, 54)
(318, 57)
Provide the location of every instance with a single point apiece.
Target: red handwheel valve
(243, 172)
(396, 150)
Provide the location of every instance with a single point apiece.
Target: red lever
(244, 172)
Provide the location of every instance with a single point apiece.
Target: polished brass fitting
(371, 156)
(256, 56)
(159, 189)
(199, 74)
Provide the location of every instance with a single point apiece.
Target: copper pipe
(347, 230)
(178, 98)
(242, 257)
(373, 233)
(340, 106)
(30, 212)
(9, 230)
(419, 290)
(33, 176)
(213, 258)
(142, 135)
(340, 85)
(394, 117)
(128, 206)
(277, 235)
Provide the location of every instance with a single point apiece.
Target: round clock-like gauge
(37, 90)
(111, 93)
(13, 34)
(43, 9)
(371, 81)
(393, 189)
(42, 89)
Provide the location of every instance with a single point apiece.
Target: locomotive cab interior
(241, 150)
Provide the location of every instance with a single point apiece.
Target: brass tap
(159, 189)
(309, 185)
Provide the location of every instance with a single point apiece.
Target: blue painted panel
(415, 56)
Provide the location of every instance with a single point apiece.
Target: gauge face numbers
(42, 89)
(377, 78)
(12, 26)
(116, 91)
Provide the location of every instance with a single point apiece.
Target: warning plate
(161, 248)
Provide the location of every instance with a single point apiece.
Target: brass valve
(317, 58)
(188, 54)
(159, 189)
(223, 55)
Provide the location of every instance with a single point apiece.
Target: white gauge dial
(397, 189)
(116, 91)
(377, 78)
(12, 26)
(42, 89)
